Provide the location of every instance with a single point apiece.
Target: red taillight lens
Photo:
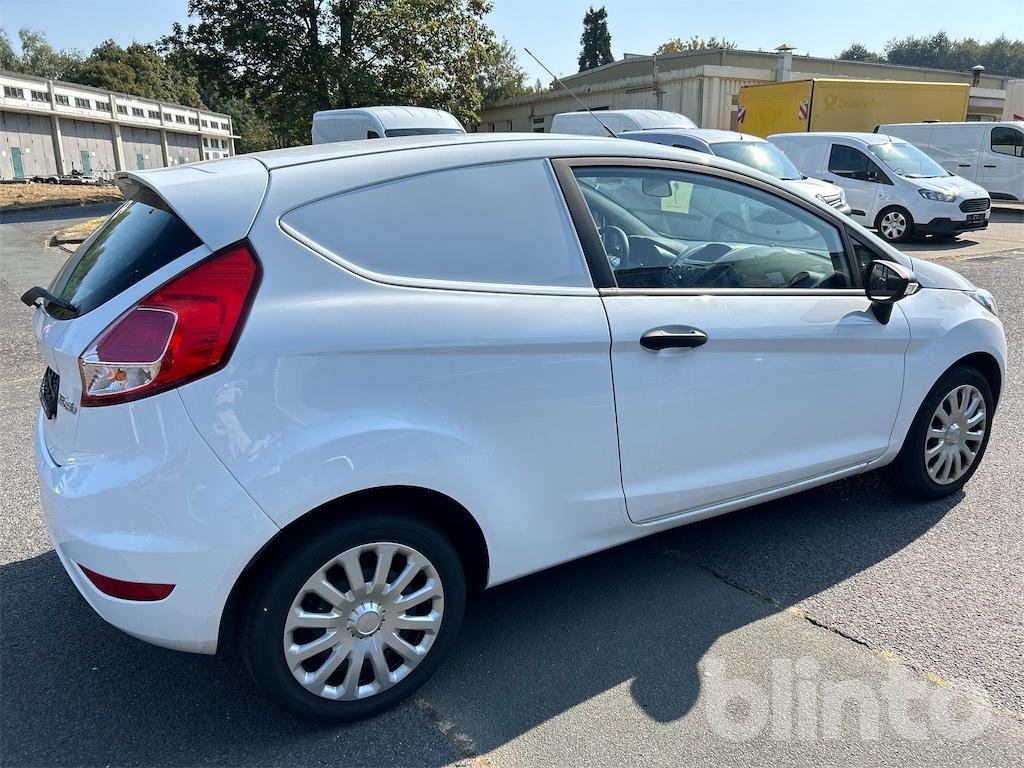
(127, 590)
(181, 331)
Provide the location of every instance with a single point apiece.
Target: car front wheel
(895, 225)
(948, 437)
(351, 622)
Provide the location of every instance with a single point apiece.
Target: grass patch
(15, 197)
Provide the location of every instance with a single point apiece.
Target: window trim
(597, 257)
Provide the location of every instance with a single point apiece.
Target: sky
(551, 28)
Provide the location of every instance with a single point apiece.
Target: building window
(138, 112)
(14, 93)
(538, 125)
(225, 126)
(193, 121)
(179, 119)
(102, 106)
(40, 96)
(122, 109)
(154, 114)
(204, 123)
(83, 103)
(61, 99)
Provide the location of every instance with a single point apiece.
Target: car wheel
(350, 622)
(895, 225)
(948, 437)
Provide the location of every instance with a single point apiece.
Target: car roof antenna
(589, 111)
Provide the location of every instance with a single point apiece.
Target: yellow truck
(827, 104)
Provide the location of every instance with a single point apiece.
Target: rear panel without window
(497, 224)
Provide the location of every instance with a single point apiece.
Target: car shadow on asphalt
(77, 691)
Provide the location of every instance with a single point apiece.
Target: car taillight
(182, 331)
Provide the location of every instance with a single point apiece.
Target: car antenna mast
(589, 111)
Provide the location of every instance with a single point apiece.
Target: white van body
(889, 183)
(381, 122)
(618, 120)
(989, 154)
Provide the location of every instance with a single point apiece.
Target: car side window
(851, 163)
(675, 230)
(1008, 141)
(497, 224)
(864, 255)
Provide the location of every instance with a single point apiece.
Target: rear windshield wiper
(32, 296)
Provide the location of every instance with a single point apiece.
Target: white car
(381, 123)
(599, 122)
(990, 154)
(890, 184)
(749, 150)
(337, 388)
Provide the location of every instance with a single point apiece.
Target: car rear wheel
(948, 437)
(895, 225)
(351, 622)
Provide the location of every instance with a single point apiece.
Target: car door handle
(963, 165)
(670, 336)
(989, 166)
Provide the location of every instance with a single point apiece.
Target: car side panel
(502, 402)
(945, 326)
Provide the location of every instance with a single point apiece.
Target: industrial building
(704, 85)
(52, 128)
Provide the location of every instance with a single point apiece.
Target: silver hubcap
(893, 225)
(363, 621)
(955, 433)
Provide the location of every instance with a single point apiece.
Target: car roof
(476, 147)
(868, 139)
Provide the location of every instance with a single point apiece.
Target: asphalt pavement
(841, 626)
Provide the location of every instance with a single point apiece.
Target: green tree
(858, 52)
(695, 43)
(501, 77)
(38, 57)
(596, 40)
(139, 70)
(290, 58)
(1001, 56)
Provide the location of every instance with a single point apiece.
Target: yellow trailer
(827, 104)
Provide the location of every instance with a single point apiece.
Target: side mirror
(885, 283)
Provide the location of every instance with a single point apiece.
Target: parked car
(617, 120)
(989, 154)
(381, 122)
(890, 184)
(750, 150)
(337, 388)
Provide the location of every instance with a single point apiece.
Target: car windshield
(907, 160)
(760, 155)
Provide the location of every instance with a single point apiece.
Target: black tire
(907, 233)
(908, 473)
(282, 576)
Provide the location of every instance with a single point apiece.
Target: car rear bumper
(943, 226)
(169, 513)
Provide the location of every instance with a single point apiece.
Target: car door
(861, 178)
(1002, 162)
(739, 367)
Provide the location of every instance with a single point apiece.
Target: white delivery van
(989, 154)
(890, 184)
(381, 122)
(749, 150)
(618, 120)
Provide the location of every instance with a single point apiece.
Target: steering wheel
(616, 245)
(727, 227)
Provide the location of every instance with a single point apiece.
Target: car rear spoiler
(218, 200)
